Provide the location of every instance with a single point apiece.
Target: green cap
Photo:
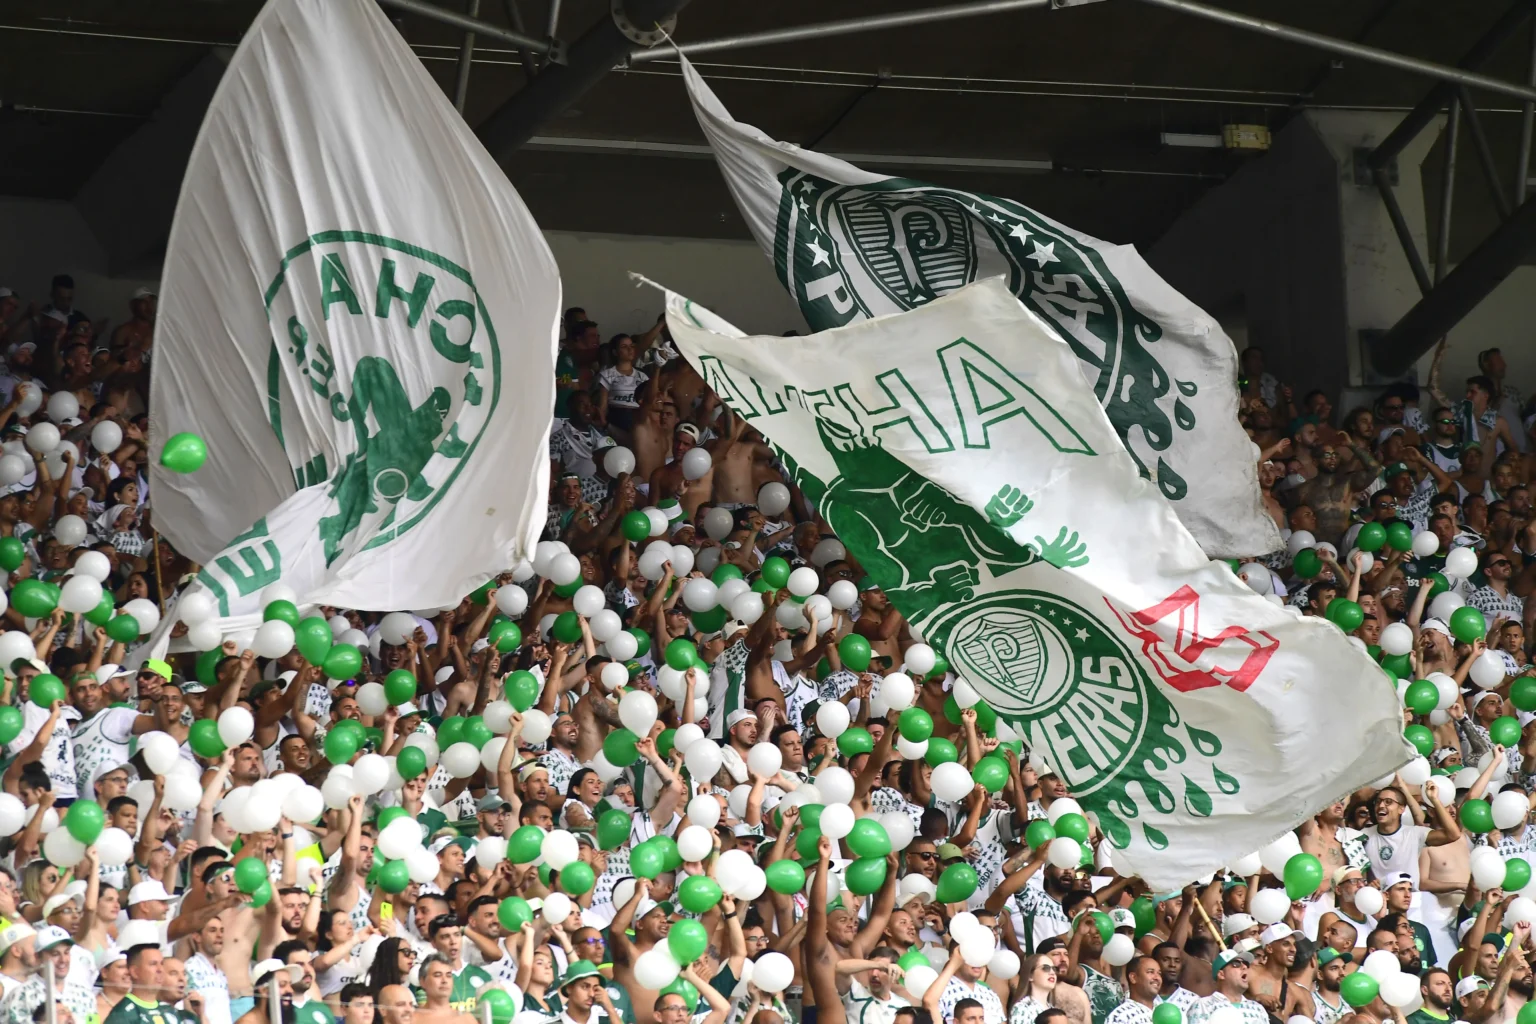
(1328, 955)
(868, 583)
(159, 668)
(1394, 469)
(949, 851)
(579, 969)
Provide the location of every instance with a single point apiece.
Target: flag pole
(154, 540)
(1206, 917)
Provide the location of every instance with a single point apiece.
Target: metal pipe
(554, 17)
(847, 26)
(1447, 191)
(515, 19)
(1481, 148)
(274, 1000)
(50, 992)
(484, 28)
(1527, 116)
(1400, 225)
(1348, 49)
(466, 61)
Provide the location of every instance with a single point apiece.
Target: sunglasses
(923, 856)
(1447, 422)
(1495, 565)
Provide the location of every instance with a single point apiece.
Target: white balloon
(910, 750)
(707, 560)
(835, 785)
(803, 582)
(606, 770)
(827, 551)
(920, 659)
(1461, 562)
(772, 972)
(61, 848)
(15, 644)
(899, 691)
(79, 594)
(490, 754)
(605, 625)
(703, 760)
(182, 792)
(772, 498)
(147, 614)
(588, 601)
(69, 530)
(1276, 854)
(372, 699)
(1298, 540)
(765, 759)
(818, 606)
(235, 726)
(114, 847)
(1004, 964)
(1064, 852)
(13, 467)
(704, 811)
(839, 824)
(1443, 606)
(919, 980)
(681, 559)
(1397, 639)
(1381, 964)
(977, 950)
(422, 864)
(559, 849)
(1256, 576)
(205, 636)
(1425, 544)
(1487, 870)
(622, 646)
(831, 718)
(686, 736)
(536, 726)
(264, 807)
(1399, 989)
(618, 461)
(950, 781)
(1447, 688)
(399, 838)
(696, 463)
(564, 568)
(106, 437)
(614, 675)
(461, 760)
(160, 751)
(337, 790)
(557, 907)
(511, 601)
(370, 773)
(1510, 809)
(898, 826)
(700, 595)
(42, 439)
(63, 405)
(273, 639)
(1119, 950)
(1443, 787)
(659, 521)
(637, 710)
(1487, 669)
(656, 969)
(1416, 772)
(1065, 805)
(1368, 901)
(1246, 867)
(192, 607)
(843, 594)
(694, 843)
(305, 804)
(790, 615)
(1520, 909)
(1269, 905)
(13, 814)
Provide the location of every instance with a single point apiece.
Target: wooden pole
(154, 539)
(1205, 916)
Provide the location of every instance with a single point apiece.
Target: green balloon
(399, 687)
(394, 876)
(1477, 816)
(915, 725)
(103, 612)
(1345, 614)
(671, 860)
(567, 628)
(11, 723)
(1303, 874)
(913, 957)
(411, 762)
(646, 861)
(577, 877)
(665, 741)
(1167, 1013)
(785, 877)
(524, 844)
(776, 572)
(1105, 925)
(208, 667)
(1517, 874)
(186, 453)
(855, 741)
(522, 689)
(1422, 739)
(868, 839)
(85, 820)
(1306, 564)
(680, 986)
(251, 874)
(636, 526)
(1145, 913)
(1421, 696)
(514, 912)
(45, 689)
(1522, 694)
(1505, 731)
(711, 621)
(1073, 826)
(810, 815)
(569, 589)
(312, 636)
(642, 641)
(807, 841)
(450, 731)
(1371, 537)
(619, 748)
(389, 814)
(503, 1006)
(282, 611)
(940, 751)
(33, 599)
(510, 638)
(1467, 624)
(123, 628)
(1526, 1016)
(1438, 584)
(1400, 537)
(991, 773)
(687, 940)
(613, 829)
(476, 732)
(956, 883)
(204, 738)
(342, 661)
(986, 718)
(340, 746)
(762, 586)
(1360, 989)
(12, 553)
(698, 893)
(1397, 665)
(725, 571)
(865, 876)
(261, 897)
(854, 650)
(681, 654)
(1039, 832)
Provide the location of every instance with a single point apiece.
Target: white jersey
(102, 739)
(1399, 851)
(58, 758)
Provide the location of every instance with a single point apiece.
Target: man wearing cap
(651, 921)
(1230, 971)
(1236, 927)
(18, 956)
(58, 758)
(1267, 982)
(491, 813)
(146, 973)
(53, 946)
(1327, 1000)
(1399, 892)
(741, 730)
(262, 976)
(585, 998)
(1345, 918)
(1471, 993)
(560, 761)
(102, 734)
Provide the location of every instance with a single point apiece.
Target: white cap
(1278, 931)
(111, 671)
(737, 717)
(264, 970)
(145, 891)
(142, 292)
(14, 934)
(1230, 925)
(139, 933)
(1466, 986)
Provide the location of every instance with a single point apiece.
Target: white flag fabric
(961, 459)
(359, 317)
(850, 245)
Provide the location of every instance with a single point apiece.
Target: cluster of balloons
(45, 441)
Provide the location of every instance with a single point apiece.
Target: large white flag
(849, 245)
(359, 316)
(959, 456)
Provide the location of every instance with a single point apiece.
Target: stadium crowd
(688, 765)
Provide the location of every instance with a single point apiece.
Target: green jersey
(1423, 1015)
(313, 1012)
(132, 1010)
(466, 988)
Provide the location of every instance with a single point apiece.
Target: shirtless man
(668, 481)
(1324, 837)
(436, 975)
(396, 1005)
(651, 925)
(1331, 492)
(850, 942)
(737, 465)
(653, 432)
(139, 332)
(880, 623)
(1444, 872)
(1267, 981)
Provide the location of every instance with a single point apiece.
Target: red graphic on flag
(1233, 657)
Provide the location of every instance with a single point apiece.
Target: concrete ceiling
(1088, 88)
